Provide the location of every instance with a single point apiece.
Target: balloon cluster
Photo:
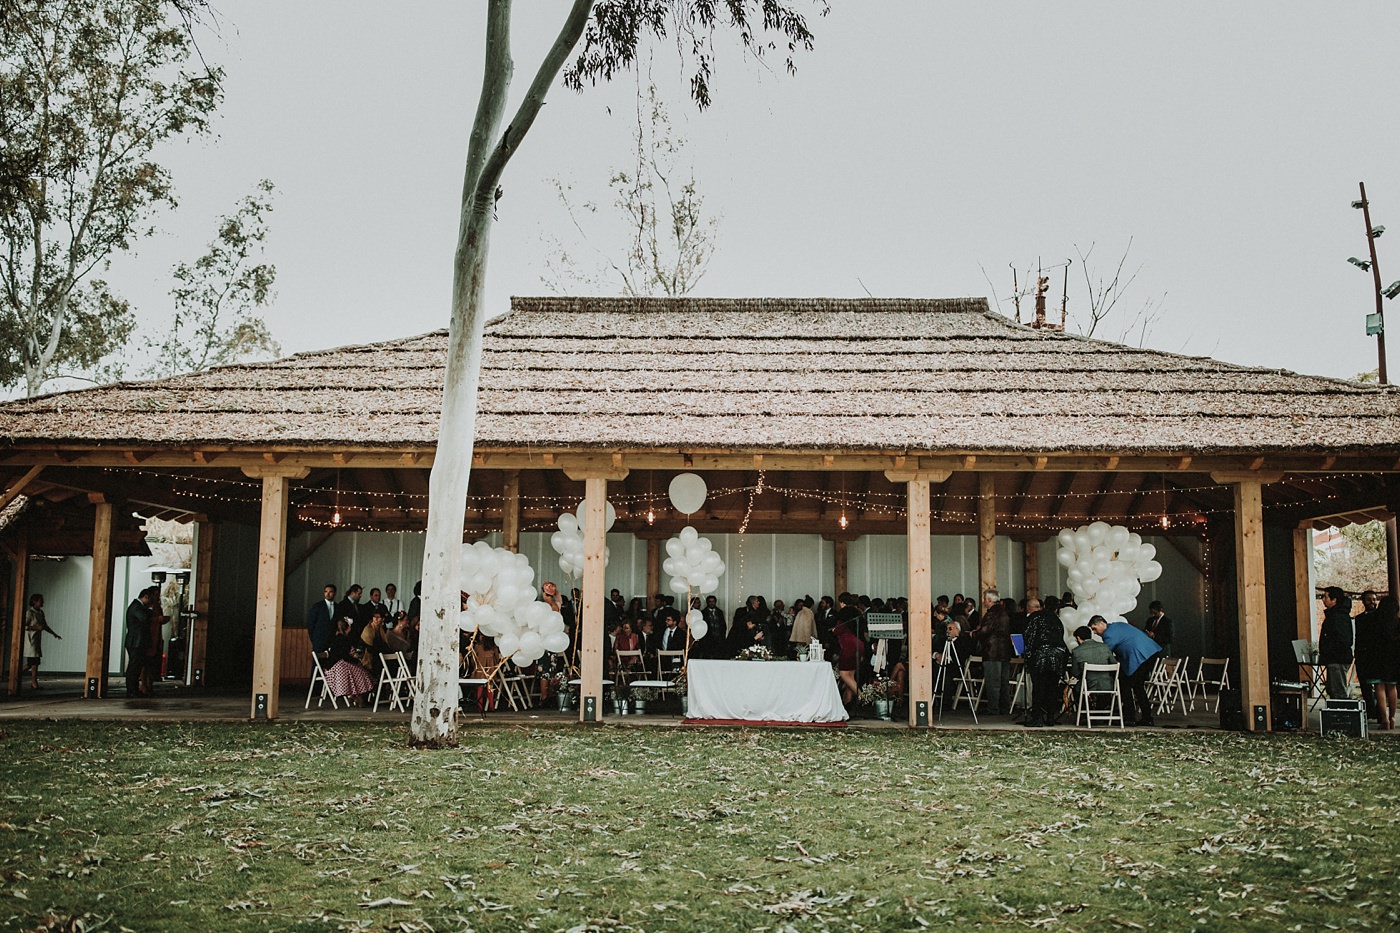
(692, 563)
(568, 540)
(1107, 566)
(502, 604)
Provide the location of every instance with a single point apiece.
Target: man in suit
(1137, 656)
(320, 620)
(1159, 627)
(138, 638)
(376, 604)
(350, 608)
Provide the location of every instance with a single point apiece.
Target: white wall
(67, 588)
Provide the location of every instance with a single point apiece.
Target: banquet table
(764, 691)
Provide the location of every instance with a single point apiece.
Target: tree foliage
(88, 90)
(670, 238)
(1359, 564)
(216, 298)
(610, 32)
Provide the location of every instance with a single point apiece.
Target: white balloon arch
(1107, 565)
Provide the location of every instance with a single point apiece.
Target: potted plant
(562, 690)
(879, 693)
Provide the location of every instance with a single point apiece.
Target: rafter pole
(205, 542)
(1302, 580)
(986, 534)
(17, 487)
(510, 510)
(1249, 573)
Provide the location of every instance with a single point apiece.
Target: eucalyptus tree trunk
(434, 720)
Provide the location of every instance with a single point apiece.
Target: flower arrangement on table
(755, 653)
(878, 689)
(559, 683)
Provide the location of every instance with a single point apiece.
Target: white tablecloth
(764, 691)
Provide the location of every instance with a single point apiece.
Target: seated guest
(626, 640)
(396, 634)
(1090, 651)
(375, 641)
(345, 676)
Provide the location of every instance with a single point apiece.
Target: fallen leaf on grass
(386, 902)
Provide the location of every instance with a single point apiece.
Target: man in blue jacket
(1135, 651)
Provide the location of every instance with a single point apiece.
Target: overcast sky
(918, 145)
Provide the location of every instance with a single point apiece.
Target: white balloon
(674, 547)
(467, 621)
(568, 523)
(1147, 552)
(531, 644)
(709, 584)
(688, 493)
(1098, 531)
(693, 616)
(699, 628)
(1066, 538)
(1065, 558)
(1152, 571)
(565, 564)
(557, 642)
(1081, 542)
(680, 585)
(689, 535)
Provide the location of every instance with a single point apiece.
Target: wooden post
(272, 559)
(591, 634)
(100, 603)
(1031, 569)
(1249, 573)
(510, 511)
(840, 558)
(21, 603)
(986, 534)
(919, 530)
(1392, 558)
(653, 568)
(1302, 579)
(203, 585)
(920, 605)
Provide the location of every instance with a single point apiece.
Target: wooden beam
(591, 630)
(653, 568)
(510, 510)
(1061, 497)
(920, 605)
(203, 586)
(1249, 572)
(1302, 581)
(840, 571)
(986, 534)
(1023, 494)
(267, 616)
(1031, 567)
(1180, 548)
(312, 548)
(19, 485)
(100, 603)
(17, 609)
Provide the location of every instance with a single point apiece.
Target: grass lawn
(213, 826)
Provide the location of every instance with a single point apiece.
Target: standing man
(1334, 641)
(994, 640)
(376, 604)
(1135, 653)
(320, 621)
(1159, 627)
(1046, 657)
(391, 600)
(138, 638)
(350, 608)
(35, 626)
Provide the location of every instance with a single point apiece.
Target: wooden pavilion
(909, 417)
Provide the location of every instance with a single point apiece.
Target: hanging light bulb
(1166, 522)
(843, 521)
(335, 516)
(651, 517)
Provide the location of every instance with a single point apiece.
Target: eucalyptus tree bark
(435, 712)
(610, 44)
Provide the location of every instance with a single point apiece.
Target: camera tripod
(940, 680)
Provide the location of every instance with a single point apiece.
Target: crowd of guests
(1370, 640)
(350, 638)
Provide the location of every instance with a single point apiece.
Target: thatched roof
(876, 374)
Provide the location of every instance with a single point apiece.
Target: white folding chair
(971, 685)
(1020, 689)
(1211, 672)
(318, 675)
(514, 687)
(1087, 715)
(1166, 688)
(629, 664)
(395, 677)
(668, 664)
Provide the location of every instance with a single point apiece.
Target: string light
(335, 516)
